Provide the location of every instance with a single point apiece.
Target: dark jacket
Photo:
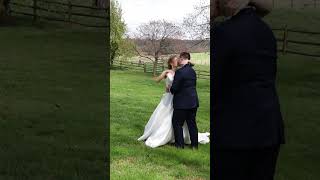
(184, 88)
(245, 110)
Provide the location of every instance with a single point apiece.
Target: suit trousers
(178, 118)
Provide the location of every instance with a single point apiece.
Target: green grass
(52, 103)
(134, 96)
(298, 84)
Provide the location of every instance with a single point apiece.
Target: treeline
(179, 45)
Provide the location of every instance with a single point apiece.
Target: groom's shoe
(179, 147)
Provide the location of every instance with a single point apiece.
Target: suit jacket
(184, 88)
(244, 102)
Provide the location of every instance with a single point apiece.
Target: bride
(159, 131)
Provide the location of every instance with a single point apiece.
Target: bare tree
(197, 24)
(157, 39)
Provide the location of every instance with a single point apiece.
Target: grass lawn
(52, 103)
(299, 85)
(134, 96)
(299, 91)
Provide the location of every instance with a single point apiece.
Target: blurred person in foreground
(246, 122)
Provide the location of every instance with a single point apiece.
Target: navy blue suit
(185, 104)
(246, 121)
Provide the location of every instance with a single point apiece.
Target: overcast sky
(136, 12)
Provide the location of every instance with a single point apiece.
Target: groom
(185, 102)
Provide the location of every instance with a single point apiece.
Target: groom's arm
(176, 84)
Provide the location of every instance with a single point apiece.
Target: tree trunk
(2, 9)
(273, 3)
(155, 67)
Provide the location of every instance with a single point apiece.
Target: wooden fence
(296, 3)
(36, 9)
(148, 68)
(286, 42)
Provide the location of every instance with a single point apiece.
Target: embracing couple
(174, 119)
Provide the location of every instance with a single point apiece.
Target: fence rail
(296, 4)
(69, 13)
(74, 5)
(148, 68)
(285, 49)
(286, 41)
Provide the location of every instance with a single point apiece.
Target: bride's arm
(162, 76)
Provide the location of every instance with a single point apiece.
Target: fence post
(273, 3)
(35, 16)
(144, 68)
(291, 3)
(315, 3)
(69, 11)
(285, 39)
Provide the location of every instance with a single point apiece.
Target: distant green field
(201, 58)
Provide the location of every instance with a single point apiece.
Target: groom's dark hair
(185, 55)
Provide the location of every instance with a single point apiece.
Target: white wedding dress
(159, 130)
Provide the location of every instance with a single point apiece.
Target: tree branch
(139, 54)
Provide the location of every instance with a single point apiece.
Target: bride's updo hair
(171, 58)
